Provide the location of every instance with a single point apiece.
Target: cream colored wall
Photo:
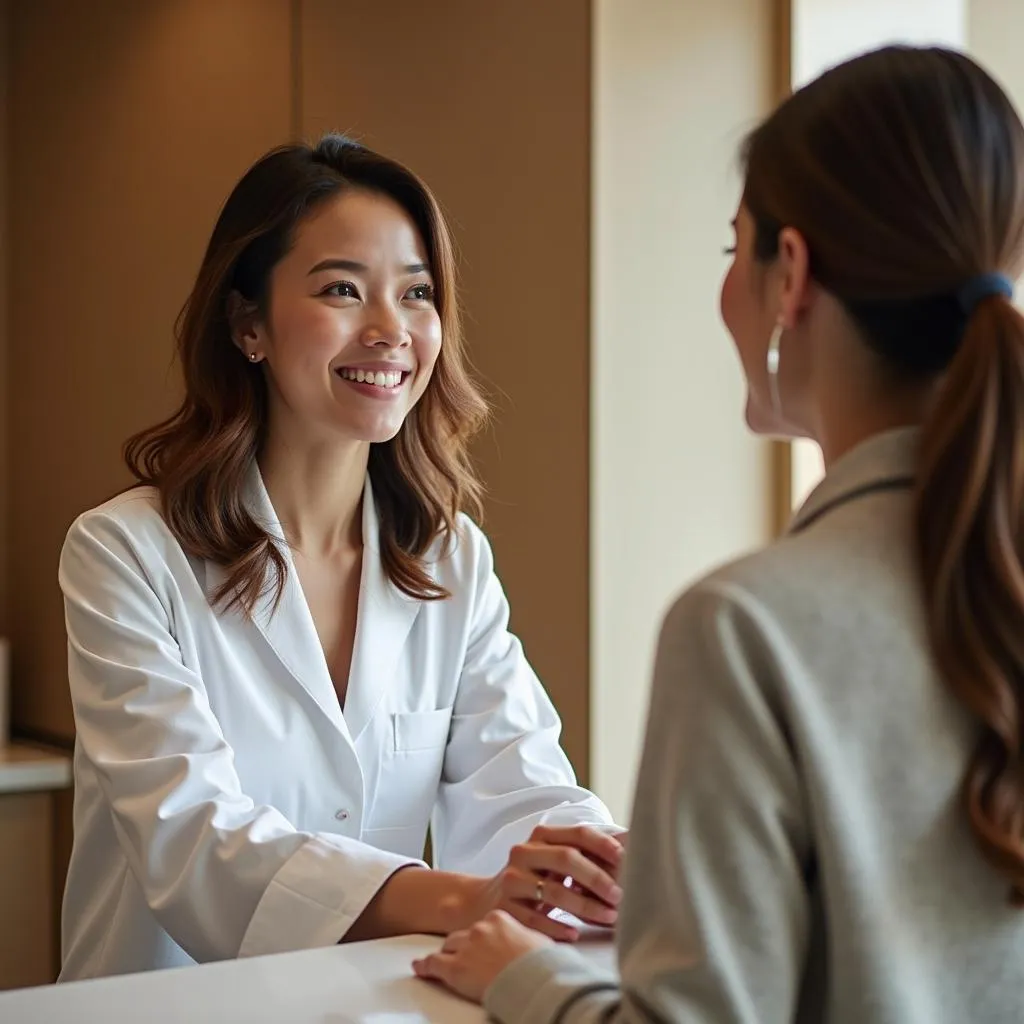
(995, 30)
(826, 32)
(678, 484)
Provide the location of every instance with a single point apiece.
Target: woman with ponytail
(829, 820)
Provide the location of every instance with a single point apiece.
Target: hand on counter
(573, 869)
(471, 960)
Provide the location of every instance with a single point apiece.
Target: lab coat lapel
(385, 617)
(289, 628)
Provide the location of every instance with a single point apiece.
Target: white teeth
(380, 379)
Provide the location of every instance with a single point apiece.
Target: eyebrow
(356, 267)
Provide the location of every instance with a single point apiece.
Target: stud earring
(253, 357)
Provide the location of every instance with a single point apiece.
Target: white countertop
(24, 768)
(360, 983)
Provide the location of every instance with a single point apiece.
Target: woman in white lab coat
(288, 649)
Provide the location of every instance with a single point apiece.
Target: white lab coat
(224, 805)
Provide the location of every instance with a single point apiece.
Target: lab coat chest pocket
(410, 768)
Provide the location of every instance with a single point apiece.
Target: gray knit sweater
(799, 851)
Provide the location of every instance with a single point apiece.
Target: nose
(374, 339)
(385, 328)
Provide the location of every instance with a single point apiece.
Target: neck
(840, 434)
(857, 396)
(317, 493)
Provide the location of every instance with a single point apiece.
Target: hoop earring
(772, 360)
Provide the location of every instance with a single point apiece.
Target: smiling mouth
(386, 380)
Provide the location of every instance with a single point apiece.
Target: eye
(421, 293)
(341, 290)
(729, 250)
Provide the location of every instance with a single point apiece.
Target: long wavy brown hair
(199, 457)
(904, 171)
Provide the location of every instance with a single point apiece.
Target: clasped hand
(574, 869)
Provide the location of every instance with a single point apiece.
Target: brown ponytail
(903, 169)
(970, 525)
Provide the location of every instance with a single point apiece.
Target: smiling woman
(288, 649)
(356, 208)
(365, 328)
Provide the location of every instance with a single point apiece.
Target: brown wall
(4, 245)
(493, 109)
(130, 121)
(27, 897)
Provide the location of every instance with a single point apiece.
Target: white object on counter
(358, 983)
(25, 768)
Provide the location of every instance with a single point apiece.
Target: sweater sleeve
(715, 915)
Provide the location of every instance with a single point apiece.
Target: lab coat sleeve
(715, 917)
(223, 876)
(504, 770)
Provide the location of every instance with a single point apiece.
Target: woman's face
(750, 321)
(351, 332)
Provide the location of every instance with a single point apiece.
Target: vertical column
(678, 484)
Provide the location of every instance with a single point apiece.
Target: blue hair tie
(981, 287)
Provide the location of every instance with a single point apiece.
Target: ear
(244, 324)
(797, 287)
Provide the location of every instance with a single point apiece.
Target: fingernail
(616, 893)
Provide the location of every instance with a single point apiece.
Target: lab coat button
(341, 815)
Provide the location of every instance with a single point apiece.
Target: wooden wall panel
(491, 104)
(4, 247)
(129, 122)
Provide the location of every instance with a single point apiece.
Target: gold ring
(539, 891)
